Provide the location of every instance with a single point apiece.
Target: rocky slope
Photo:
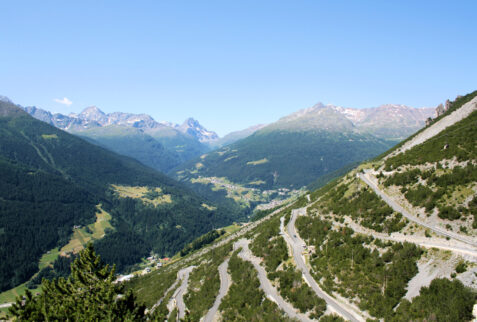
(389, 121)
(196, 130)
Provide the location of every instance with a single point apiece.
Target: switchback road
(366, 177)
(297, 246)
(224, 288)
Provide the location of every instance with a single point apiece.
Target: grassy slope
(82, 236)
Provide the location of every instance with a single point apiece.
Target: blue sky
(232, 64)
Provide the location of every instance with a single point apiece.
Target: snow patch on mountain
(92, 117)
(195, 129)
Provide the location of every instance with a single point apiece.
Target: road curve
(229, 238)
(452, 245)
(5, 305)
(173, 286)
(297, 246)
(224, 288)
(396, 207)
(183, 274)
(265, 283)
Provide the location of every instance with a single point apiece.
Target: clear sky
(232, 64)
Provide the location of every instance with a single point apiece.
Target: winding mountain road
(225, 282)
(173, 286)
(451, 245)
(183, 274)
(265, 283)
(366, 177)
(297, 246)
(229, 238)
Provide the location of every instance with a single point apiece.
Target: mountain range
(165, 146)
(161, 145)
(93, 117)
(390, 121)
(262, 157)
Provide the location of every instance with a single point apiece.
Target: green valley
(51, 184)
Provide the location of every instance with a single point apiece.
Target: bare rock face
(196, 130)
(440, 110)
(92, 117)
(447, 106)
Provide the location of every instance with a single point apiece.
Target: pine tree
(89, 294)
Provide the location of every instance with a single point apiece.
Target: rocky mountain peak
(8, 109)
(93, 117)
(92, 112)
(192, 127)
(318, 106)
(5, 99)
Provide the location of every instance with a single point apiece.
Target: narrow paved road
(434, 242)
(224, 288)
(4, 305)
(297, 246)
(265, 283)
(183, 274)
(366, 177)
(173, 286)
(229, 238)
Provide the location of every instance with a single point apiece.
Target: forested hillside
(279, 160)
(275, 159)
(52, 181)
(134, 143)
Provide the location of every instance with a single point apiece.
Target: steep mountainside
(281, 159)
(394, 122)
(393, 240)
(297, 150)
(133, 142)
(235, 136)
(288, 154)
(389, 121)
(58, 191)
